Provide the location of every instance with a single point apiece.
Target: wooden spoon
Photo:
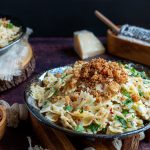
(108, 22)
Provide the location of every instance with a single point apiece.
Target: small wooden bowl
(128, 49)
(2, 121)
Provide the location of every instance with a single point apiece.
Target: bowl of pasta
(97, 98)
(11, 31)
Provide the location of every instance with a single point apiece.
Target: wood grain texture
(51, 138)
(131, 143)
(127, 49)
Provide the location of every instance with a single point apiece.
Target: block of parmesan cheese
(86, 44)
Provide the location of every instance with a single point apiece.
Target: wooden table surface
(49, 53)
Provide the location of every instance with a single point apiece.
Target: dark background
(62, 17)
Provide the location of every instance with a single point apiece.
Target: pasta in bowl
(12, 31)
(98, 97)
(8, 32)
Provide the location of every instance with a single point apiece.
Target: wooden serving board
(28, 66)
(53, 139)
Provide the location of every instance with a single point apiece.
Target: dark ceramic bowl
(22, 31)
(35, 111)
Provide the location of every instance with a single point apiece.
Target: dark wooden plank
(131, 143)
(51, 138)
(147, 136)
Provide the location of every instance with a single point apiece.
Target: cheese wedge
(86, 44)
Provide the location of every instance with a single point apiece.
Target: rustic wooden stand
(55, 140)
(28, 66)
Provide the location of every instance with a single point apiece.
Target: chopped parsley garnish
(47, 88)
(79, 128)
(128, 102)
(127, 66)
(45, 104)
(146, 82)
(94, 127)
(133, 115)
(10, 25)
(125, 92)
(143, 75)
(122, 121)
(104, 130)
(125, 112)
(131, 122)
(63, 76)
(68, 107)
(136, 73)
(140, 93)
(81, 111)
(55, 93)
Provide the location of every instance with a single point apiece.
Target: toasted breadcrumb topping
(98, 71)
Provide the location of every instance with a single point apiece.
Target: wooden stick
(131, 143)
(105, 20)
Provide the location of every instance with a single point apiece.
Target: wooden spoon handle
(109, 23)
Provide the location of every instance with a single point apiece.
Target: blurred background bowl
(22, 31)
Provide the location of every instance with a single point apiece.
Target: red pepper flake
(111, 111)
(108, 123)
